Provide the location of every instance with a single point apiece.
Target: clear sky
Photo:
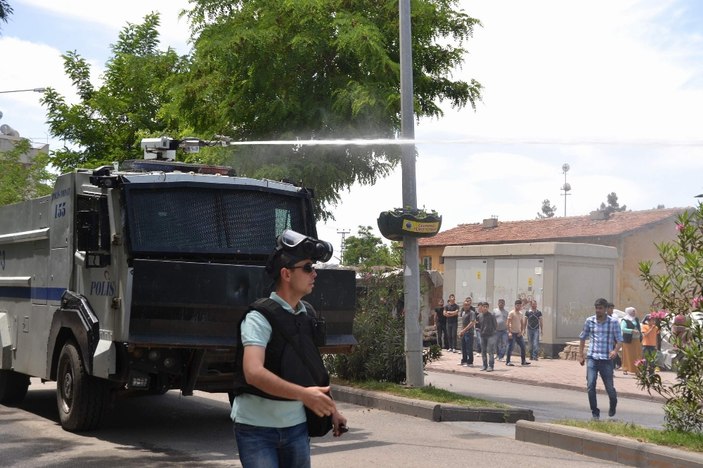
(613, 88)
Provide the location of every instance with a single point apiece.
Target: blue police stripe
(22, 292)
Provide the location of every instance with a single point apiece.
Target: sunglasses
(307, 268)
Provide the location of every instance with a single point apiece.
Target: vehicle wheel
(81, 398)
(13, 387)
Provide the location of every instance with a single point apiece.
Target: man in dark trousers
(269, 411)
(488, 336)
(441, 324)
(451, 314)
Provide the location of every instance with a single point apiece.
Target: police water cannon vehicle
(134, 278)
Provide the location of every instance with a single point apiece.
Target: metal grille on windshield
(197, 219)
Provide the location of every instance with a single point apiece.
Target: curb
(427, 409)
(604, 446)
(600, 391)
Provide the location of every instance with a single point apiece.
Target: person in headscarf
(632, 340)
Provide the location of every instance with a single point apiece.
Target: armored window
(192, 218)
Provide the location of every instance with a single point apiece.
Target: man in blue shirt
(605, 339)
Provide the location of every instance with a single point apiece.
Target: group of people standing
(639, 340)
(490, 332)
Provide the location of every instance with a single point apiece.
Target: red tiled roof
(569, 228)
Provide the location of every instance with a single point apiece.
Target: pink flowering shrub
(677, 283)
(659, 315)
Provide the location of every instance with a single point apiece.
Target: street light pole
(411, 274)
(29, 90)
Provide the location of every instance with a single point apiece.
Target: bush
(678, 290)
(379, 327)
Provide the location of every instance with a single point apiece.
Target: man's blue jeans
(604, 367)
(467, 347)
(520, 342)
(270, 447)
(502, 338)
(533, 339)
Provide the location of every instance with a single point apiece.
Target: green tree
(318, 69)
(5, 10)
(613, 206)
(268, 69)
(365, 249)
(109, 121)
(677, 283)
(22, 181)
(548, 210)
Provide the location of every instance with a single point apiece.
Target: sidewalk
(555, 373)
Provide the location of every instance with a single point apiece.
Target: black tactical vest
(281, 357)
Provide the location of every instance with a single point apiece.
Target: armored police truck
(135, 278)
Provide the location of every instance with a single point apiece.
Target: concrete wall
(633, 250)
(564, 278)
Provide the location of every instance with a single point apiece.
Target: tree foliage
(613, 206)
(548, 210)
(5, 10)
(330, 70)
(367, 250)
(110, 120)
(677, 283)
(23, 181)
(269, 69)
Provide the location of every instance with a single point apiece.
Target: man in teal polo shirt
(273, 432)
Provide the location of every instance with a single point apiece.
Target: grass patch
(427, 393)
(684, 440)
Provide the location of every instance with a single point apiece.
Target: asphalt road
(171, 430)
(548, 404)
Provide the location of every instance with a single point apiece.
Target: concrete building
(9, 138)
(564, 263)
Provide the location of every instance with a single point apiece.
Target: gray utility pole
(343, 245)
(411, 279)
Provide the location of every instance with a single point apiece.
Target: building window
(427, 263)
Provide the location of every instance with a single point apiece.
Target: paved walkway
(555, 373)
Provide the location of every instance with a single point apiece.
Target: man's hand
(613, 354)
(581, 360)
(339, 424)
(318, 400)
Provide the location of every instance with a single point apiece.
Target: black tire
(81, 398)
(13, 387)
